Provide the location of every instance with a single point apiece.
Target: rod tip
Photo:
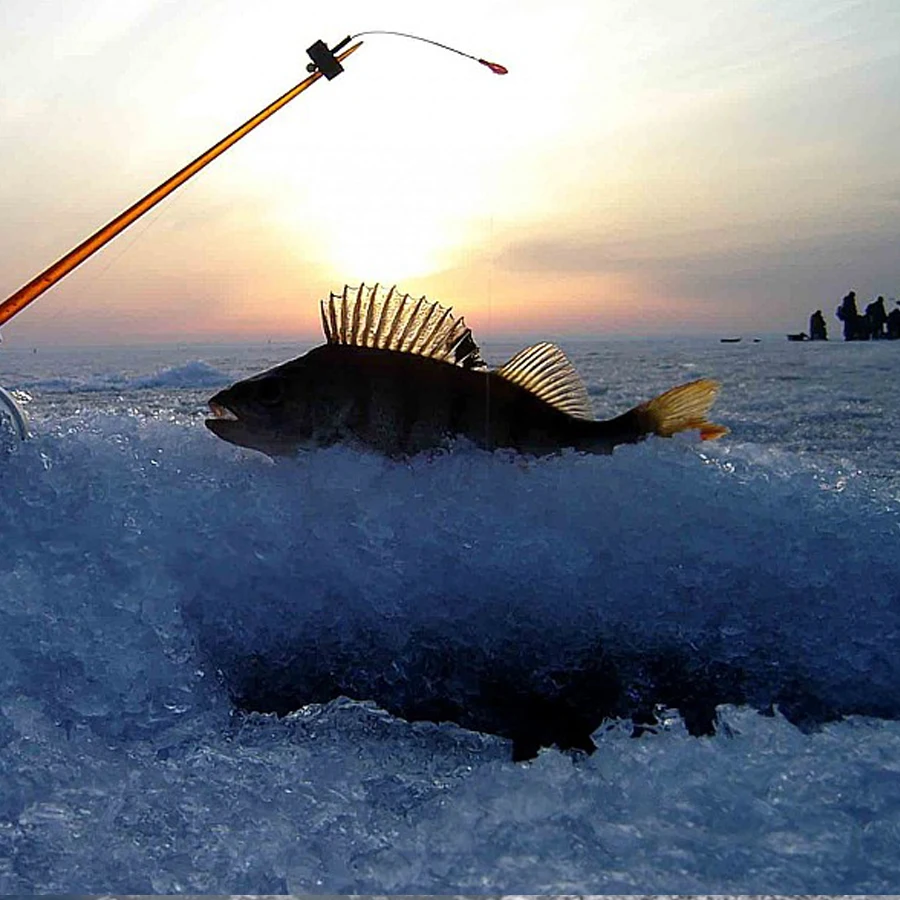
(496, 68)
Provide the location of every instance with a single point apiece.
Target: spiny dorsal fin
(369, 317)
(546, 371)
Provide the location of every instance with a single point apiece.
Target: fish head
(270, 412)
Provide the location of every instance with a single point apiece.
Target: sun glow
(392, 245)
(380, 207)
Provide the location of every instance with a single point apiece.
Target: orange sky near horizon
(644, 169)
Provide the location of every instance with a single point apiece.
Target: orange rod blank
(31, 291)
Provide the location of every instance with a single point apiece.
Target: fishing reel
(325, 60)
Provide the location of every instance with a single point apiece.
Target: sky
(645, 168)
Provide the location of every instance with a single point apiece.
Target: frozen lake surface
(151, 576)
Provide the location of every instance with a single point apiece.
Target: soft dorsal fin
(371, 317)
(546, 371)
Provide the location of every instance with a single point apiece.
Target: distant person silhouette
(847, 312)
(893, 324)
(876, 319)
(818, 330)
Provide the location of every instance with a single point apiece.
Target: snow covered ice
(149, 572)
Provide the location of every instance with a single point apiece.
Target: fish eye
(270, 392)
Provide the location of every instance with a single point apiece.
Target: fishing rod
(325, 63)
(496, 68)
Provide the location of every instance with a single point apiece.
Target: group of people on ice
(876, 323)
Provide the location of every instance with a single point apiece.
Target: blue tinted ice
(143, 562)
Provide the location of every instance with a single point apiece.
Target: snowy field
(154, 578)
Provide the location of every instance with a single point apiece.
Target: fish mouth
(246, 429)
(223, 421)
(221, 413)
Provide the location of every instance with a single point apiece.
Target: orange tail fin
(683, 408)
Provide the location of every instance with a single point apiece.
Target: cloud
(783, 276)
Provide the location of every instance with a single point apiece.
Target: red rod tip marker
(496, 68)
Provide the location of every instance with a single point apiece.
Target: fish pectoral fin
(683, 408)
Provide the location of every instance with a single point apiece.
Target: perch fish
(400, 375)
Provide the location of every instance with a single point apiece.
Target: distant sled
(736, 340)
(799, 336)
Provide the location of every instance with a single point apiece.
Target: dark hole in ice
(534, 702)
(526, 677)
(532, 706)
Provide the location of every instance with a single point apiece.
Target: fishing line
(490, 293)
(126, 246)
(496, 68)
